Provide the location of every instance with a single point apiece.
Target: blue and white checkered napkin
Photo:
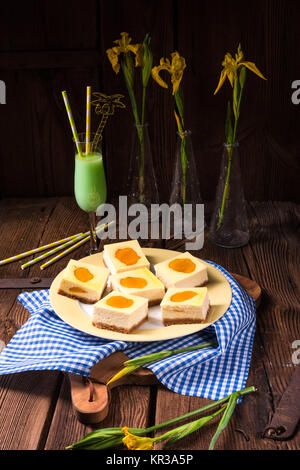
(47, 342)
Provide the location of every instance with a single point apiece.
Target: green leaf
(242, 77)
(128, 69)
(147, 60)
(128, 72)
(139, 361)
(178, 95)
(189, 428)
(236, 97)
(228, 125)
(225, 419)
(100, 439)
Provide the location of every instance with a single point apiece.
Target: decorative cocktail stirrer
(105, 105)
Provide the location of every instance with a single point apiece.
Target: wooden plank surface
(35, 407)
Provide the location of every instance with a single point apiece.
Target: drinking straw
(41, 248)
(72, 123)
(88, 119)
(51, 252)
(25, 254)
(68, 250)
(64, 253)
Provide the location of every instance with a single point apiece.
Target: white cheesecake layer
(120, 319)
(115, 265)
(153, 291)
(172, 278)
(89, 291)
(193, 310)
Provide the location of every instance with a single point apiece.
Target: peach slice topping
(182, 265)
(83, 274)
(133, 282)
(182, 296)
(119, 301)
(127, 256)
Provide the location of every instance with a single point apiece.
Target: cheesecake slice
(83, 281)
(120, 312)
(124, 256)
(183, 270)
(185, 305)
(140, 282)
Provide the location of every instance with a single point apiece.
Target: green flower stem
(184, 430)
(142, 143)
(230, 153)
(179, 107)
(143, 104)
(184, 167)
(225, 419)
(149, 358)
(140, 131)
(221, 214)
(132, 364)
(210, 406)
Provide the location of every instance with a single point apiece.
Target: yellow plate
(75, 313)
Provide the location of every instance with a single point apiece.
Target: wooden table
(35, 407)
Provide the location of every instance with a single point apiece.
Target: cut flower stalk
(235, 70)
(136, 439)
(127, 56)
(133, 364)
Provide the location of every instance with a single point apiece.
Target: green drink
(89, 181)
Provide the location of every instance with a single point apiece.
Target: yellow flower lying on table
(134, 442)
(235, 70)
(175, 67)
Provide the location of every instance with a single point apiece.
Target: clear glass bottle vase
(141, 184)
(186, 193)
(229, 226)
(185, 184)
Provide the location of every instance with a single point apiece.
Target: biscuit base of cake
(184, 321)
(117, 329)
(181, 306)
(119, 312)
(83, 281)
(84, 300)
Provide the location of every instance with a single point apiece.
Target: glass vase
(185, 184)
(142, 184)
(229, 226)
(186, 193)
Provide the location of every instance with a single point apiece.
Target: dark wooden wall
(51, 45)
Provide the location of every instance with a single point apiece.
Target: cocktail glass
(90, 182)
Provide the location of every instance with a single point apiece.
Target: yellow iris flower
(133, 442)
(123, 46)
(175, 69)
(231, 66)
